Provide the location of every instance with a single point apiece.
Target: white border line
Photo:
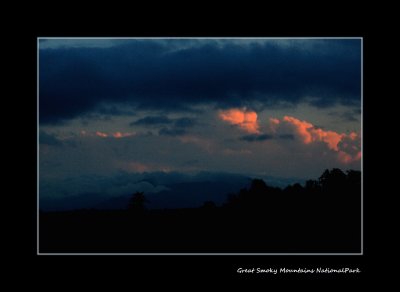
(218, 254)
(201, 38)
(37, 147)
(362, 150)
(204, 254)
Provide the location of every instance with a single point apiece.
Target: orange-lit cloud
(344, 157)
(349, 148)
(245, 120)
(347, 145)
(273, 123)
(331, 138)
(101, 134)
(353, 135)
(116, 135)
(122, 135)
(302, 128)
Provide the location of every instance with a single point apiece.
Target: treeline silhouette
(322, 216)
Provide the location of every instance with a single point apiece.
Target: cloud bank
(244, 119)
(177, 74)
(347, 146)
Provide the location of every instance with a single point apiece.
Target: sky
(258, 107)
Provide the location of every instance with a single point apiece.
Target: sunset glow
(116, 135)
(245, 120)
(101, 134)
(308, 134)
(256, 107)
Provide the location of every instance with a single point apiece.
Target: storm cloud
(148, 74)
(257, 107)
(152, 120)
(256, 138)
(184, 122)
(49, 139)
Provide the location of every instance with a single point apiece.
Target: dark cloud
(348, 116)
(152, 120)
(113, 110)
(179, 124)
(286, 136)
(263, 137)
(191, 162)
(171, 132)
(185, 122)
(148, 75)
(256, 138)
(49, 139)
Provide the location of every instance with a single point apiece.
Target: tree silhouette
(312, 186)
(294, 189)
(354, 177)
(321, 215)
(333, 180)
(333, 187)
(137, 202)
(209, 205)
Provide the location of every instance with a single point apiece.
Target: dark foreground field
(323, 217)
(196, 231)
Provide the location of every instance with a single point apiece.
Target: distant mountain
(183, 195)
(193, 194)
(280, 182)
(83, 201)
(163, 190)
